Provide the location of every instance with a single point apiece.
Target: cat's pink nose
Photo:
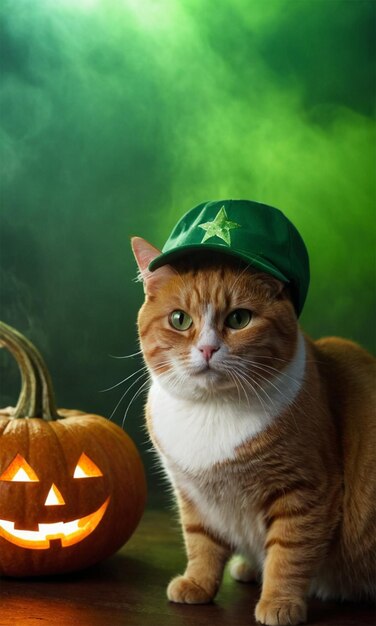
(208, 351)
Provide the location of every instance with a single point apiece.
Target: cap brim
(253, 260)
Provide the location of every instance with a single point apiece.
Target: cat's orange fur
(306, 483)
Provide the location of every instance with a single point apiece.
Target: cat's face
(217, 327)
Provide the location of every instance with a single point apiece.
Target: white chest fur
(195, 435)
(226, 510)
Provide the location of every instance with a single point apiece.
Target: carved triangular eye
(19, 471)
(86, 468)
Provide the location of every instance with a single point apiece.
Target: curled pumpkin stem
(37, 397)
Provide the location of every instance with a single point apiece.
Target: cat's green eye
(180, 320)
(238, 319)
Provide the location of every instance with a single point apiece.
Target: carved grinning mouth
(69, 533)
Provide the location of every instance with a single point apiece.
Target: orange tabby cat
(267, 437)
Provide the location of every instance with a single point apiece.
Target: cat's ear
(144, 254)
(271, 284)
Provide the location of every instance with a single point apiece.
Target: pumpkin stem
(37, 396)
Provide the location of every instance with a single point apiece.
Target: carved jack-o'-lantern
(72, 485)
(68, 532)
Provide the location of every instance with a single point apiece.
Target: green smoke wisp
(118, 116)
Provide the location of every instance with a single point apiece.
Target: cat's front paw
(281, 612)
(186, 590)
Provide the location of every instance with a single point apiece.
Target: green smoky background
(119, 115)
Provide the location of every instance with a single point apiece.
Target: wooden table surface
(129, 590)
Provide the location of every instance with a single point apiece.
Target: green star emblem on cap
(219, 227)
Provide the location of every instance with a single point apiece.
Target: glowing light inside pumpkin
(19, 471)
(68, 532)
(85, 468)
(54, 497)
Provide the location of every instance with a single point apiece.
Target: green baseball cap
(258, 234)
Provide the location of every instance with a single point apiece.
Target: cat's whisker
(294, 402)
(291, 402)
(268, 381)
(236, 380)
(126, 356)
(240, 378)
(161, 364)
(174, 375)
(251, 382)
(274, 358)
(144, 367)
(144, 372)
(269, 368)
(231, 375)
(136, 395)
(126, 391)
